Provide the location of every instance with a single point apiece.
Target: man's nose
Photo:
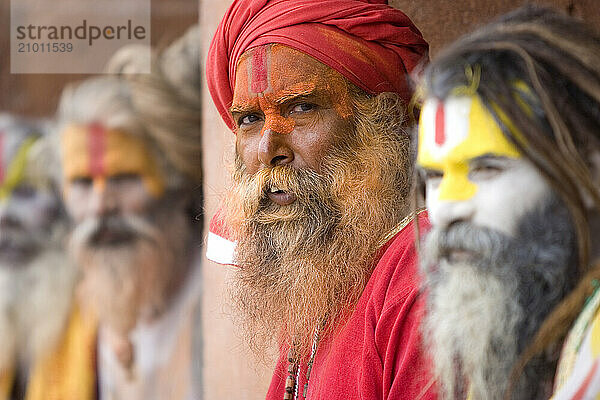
(103, 201)
(273, 149)
(452, 200)
(444, 213)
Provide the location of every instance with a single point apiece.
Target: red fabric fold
(370, 43)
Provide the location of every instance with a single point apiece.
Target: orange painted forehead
(94, 151)
(276, 73)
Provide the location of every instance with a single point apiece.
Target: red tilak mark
(440, 128)
(2, 138)
(586, 383)
(259, 70)
(96, 148)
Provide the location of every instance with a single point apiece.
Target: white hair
(35, 301)
(168, 100)
(103, 99)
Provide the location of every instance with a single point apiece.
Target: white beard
(123, 285)
(473, 318)
(35, 301)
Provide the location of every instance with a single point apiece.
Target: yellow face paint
(15, 173)
(451, 134)
(98, 153)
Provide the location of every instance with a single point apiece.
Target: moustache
(14, 235)
(16, 242)
(286, 179)
(480, 243)
(306, 185)
(113, 231)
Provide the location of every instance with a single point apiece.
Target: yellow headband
(16, 169)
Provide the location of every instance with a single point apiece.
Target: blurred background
(38, 94)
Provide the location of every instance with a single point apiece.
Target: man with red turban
(318, 217)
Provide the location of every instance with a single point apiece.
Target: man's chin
(17, 256)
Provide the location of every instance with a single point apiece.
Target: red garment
(370, 43)
(378, 354)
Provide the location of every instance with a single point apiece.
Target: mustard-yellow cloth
(69, 372)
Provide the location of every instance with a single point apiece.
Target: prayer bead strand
(293, 378)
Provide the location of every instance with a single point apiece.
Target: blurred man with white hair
(131, 163)
(36, 279)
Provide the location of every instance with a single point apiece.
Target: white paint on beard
(472, 322)
(35, 301)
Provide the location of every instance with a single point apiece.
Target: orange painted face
(94, 153)
(288, 107)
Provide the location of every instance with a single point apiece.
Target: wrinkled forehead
(459, 128)
(95, 150)
(279, 69)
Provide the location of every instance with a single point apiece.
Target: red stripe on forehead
(259, 70)
(440, 125)
(2, 139)
(96, 148)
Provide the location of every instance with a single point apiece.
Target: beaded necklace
(291, 383)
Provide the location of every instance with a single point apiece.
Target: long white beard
(35, 301)
(123, 285)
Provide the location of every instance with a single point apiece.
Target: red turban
(370, 43)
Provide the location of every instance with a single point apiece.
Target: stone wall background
(442, 21)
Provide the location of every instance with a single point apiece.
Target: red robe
(378, 354)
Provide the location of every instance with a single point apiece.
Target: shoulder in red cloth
(378, 352)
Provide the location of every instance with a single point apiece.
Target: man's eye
(484, 171)
(431, 175)
(248, 119)
(82, 181)
(302, 108)
(24, 191)
(125, 177)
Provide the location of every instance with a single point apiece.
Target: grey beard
(134, 280)
(483, 312)
(35, 300)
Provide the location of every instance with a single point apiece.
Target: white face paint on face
(472, 173)
(26, 218)
(28, 209)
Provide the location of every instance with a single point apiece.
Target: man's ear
(594, 162)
